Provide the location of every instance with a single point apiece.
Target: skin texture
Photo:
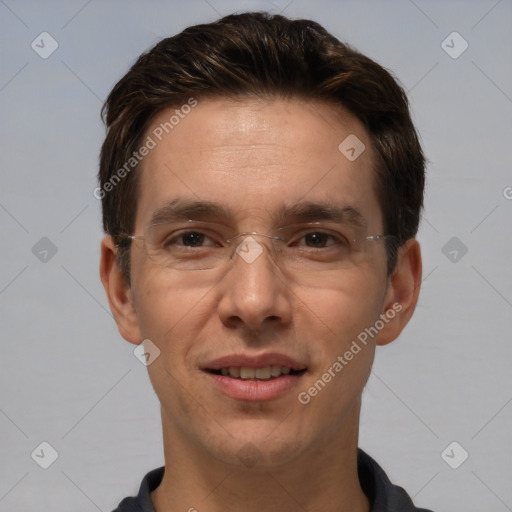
(253, 156)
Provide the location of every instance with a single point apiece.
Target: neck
(323, 478)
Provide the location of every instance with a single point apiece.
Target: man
(261, 185)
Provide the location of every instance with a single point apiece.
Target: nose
(254, 294)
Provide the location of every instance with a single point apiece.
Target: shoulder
(142, 502)
(384, 496)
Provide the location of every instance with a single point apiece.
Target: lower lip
(254, 390)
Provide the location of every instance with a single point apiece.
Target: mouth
(263, 373)
(255, 378)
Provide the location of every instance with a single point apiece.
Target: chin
(252, 447)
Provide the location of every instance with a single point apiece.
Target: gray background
(69, 379)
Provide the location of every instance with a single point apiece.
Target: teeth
(234, 372)
(265, 373)
(247, 373)
(275, 371)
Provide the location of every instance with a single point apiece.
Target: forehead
(254, 156)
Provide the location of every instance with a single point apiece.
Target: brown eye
(317, 239)
(321, 240)
(192, 239)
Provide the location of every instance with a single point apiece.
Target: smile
(263, 373)
(254, 377)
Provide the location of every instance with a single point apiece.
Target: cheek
(170, 311)
(342, 356)
(341, 351)
(348, 305)
(153, 304)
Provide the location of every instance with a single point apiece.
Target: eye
(321, 240)
(191, 239)
(318, 239)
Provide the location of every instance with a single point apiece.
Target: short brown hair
(271, 56)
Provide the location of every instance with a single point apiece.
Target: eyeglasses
(305, 247)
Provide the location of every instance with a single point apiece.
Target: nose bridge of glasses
(247, 247)
(245, 236)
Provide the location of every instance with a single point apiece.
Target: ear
(118, 292)
(402, 293)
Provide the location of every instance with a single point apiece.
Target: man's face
(265, 165)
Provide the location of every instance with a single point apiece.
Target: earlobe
(402, 293)
(118, 293)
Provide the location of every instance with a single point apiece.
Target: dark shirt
(382, 494)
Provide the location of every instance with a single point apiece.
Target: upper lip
(254, 361)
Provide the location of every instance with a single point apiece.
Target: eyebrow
(184, 209)
(180, 209)
(308, 211)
